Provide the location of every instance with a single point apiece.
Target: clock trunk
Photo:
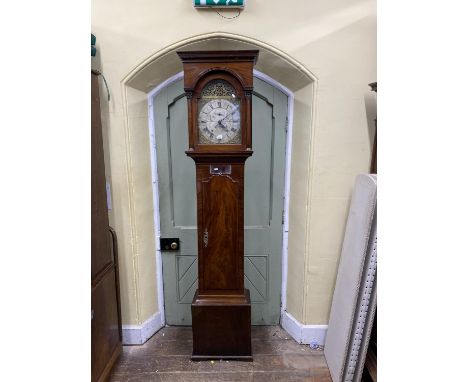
(221, 219)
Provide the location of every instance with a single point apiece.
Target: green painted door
(264, 190)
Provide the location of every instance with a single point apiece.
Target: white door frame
(155, 185)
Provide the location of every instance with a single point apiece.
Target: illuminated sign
(219, 3)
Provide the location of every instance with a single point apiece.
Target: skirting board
(139, 334)
(303, 334)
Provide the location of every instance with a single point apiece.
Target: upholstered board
(354, 299)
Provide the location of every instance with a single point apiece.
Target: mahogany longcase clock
(218, 86)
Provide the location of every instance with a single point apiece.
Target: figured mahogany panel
(220, 229)
(219, 198)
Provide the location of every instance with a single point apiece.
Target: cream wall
(331, 45)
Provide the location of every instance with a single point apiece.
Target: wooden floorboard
(166, 357)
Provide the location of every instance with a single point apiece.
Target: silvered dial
(219, 121)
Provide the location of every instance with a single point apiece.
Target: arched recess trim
(273, 66)
(271, 60)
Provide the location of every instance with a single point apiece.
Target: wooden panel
(220, 263)
(221, 329)
(101, 255)
(106, 333)
(105, 338)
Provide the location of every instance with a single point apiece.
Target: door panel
(187, 277)
(263, 203)
(258, 170)
(181, 174)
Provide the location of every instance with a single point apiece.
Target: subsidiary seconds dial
(219, 122)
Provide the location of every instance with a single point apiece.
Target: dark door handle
(170, 244)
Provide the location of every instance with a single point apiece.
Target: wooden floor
(166, 357)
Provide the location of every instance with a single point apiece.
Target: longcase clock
(218, 86)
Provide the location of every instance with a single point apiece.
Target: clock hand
(220, 122)
(231, 113)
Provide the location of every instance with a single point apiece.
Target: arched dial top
(219, 114)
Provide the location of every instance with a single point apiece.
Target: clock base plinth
(221, 327)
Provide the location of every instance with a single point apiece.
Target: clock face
(219, 114)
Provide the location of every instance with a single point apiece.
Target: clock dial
(219, 114)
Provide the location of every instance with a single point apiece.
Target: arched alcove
(137, 84)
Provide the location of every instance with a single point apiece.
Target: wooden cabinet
(106, 335)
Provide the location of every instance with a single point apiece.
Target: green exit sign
(219, 3)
